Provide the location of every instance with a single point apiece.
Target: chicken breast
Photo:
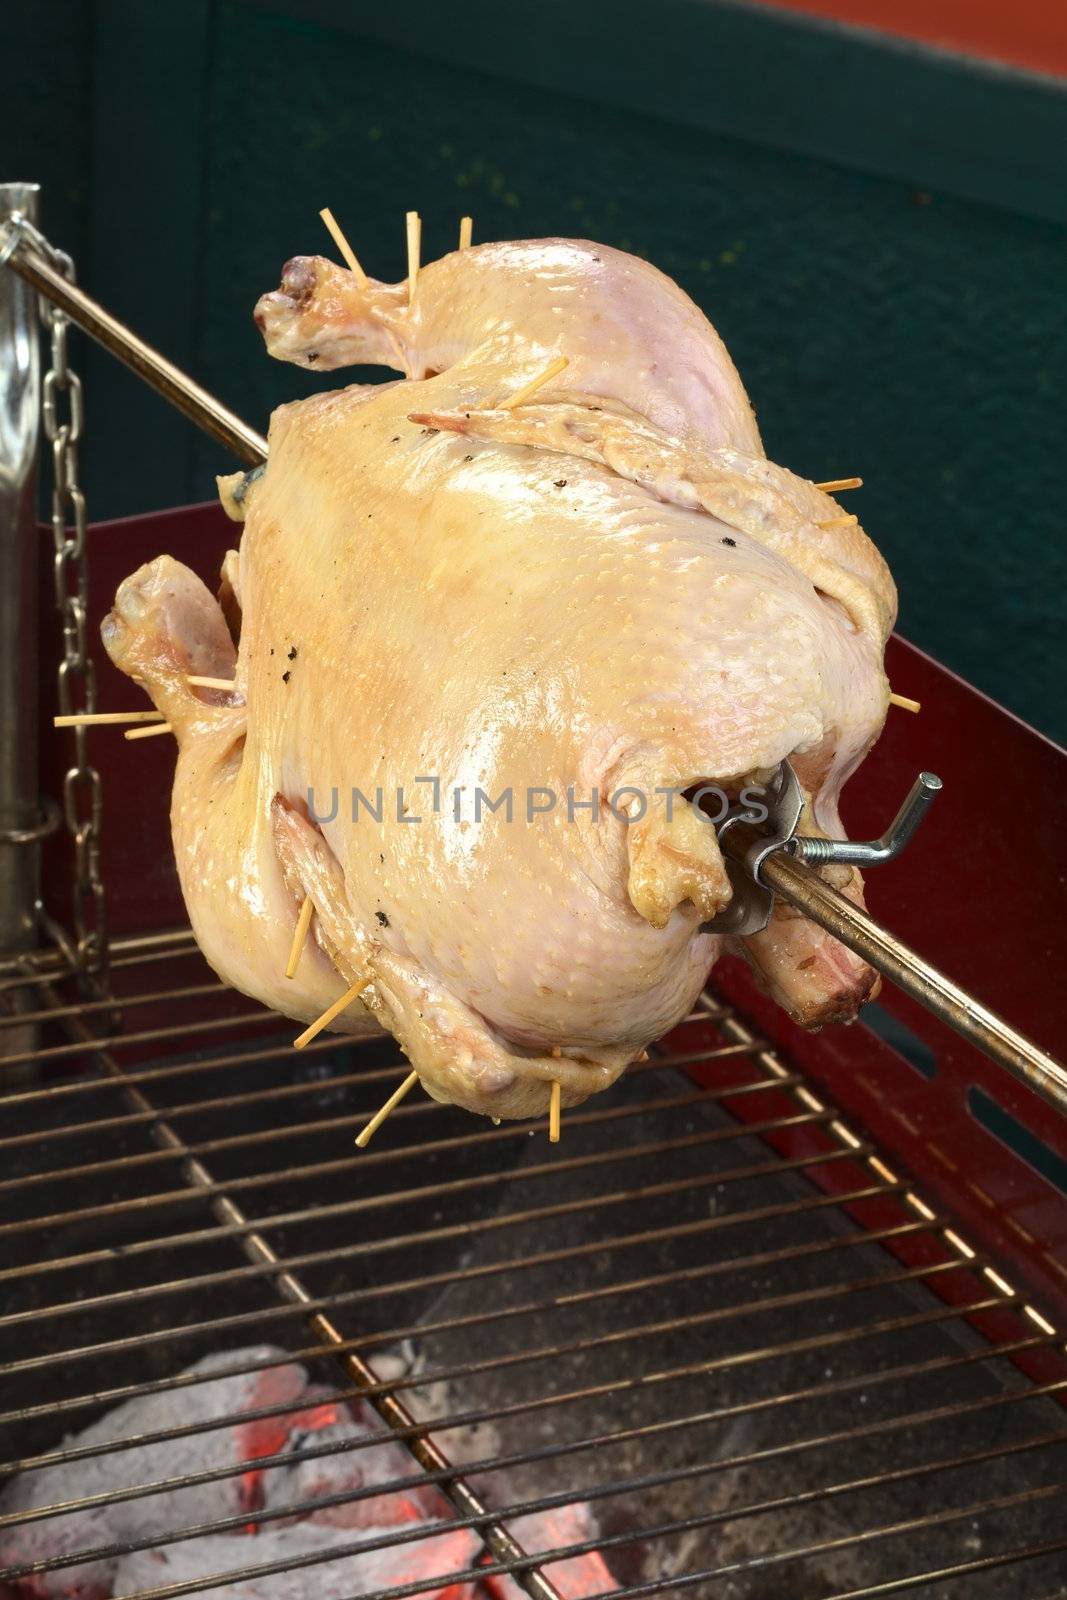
(486, 651)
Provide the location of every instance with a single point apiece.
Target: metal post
(20, 411)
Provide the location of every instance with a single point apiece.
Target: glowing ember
(325, 1507)
(268, 1436)
(552, 1530)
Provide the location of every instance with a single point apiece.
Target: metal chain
(64, 419)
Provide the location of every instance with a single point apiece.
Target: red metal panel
(980, 893)
(954, 1281)
(1029, 33)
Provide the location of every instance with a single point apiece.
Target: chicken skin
(485, 653)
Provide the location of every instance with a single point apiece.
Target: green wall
(883, 325)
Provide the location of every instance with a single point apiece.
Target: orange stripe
(1026, 33)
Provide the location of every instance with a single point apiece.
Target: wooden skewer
(897, 700)
(466, 229)
(364, 1138)
(838, 522)
(553, 370)
(351, 260)
(553, 1113)
(93, 719)
(414, 223)
(328, 1015)
(835, 485)
(296, 949)
(148, 733)
(210, 683)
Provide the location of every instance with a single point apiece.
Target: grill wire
(745, 1372)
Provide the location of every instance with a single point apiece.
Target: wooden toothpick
(93, 719)
(894, 700)
(148, 733)
(553, 1112)
(838, 522)
(330, 1013)
(466, 229)
(296, 949)
(414, 227)
(835, 485)
(520, 398)
(351, 260)
(209, 683)
(363, 1139)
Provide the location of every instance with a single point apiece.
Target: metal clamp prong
(750, 909)
(872, 852)
(752, 903)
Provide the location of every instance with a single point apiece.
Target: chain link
(63, 415)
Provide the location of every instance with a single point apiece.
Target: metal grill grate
(712, 1314)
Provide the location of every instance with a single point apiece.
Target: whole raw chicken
(606, 588)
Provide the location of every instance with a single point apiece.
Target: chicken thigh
(487, 651)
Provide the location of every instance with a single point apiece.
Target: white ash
(348, 1466)
(135, 1465)
(434, 1558)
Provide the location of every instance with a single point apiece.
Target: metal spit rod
(162, 375)
(802, 888)
(797, 884)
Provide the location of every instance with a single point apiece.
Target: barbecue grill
(781, 1315)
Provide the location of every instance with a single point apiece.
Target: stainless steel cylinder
(20, 411)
